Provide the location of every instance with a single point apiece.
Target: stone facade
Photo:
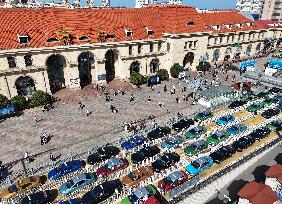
(169, 50)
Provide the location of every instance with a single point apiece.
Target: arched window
(134, 67)
(216, 55)
(154, 66)
(12, 62)
(25, 86)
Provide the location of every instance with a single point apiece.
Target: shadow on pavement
(259, 173)
(234, 188)
(43, 179)
(215, 201)
(278, 158)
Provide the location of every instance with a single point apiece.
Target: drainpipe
(9, 92)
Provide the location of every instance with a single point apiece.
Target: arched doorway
(55, 69)
(249, 50)
(154, 65)
(85, 60)
(134, 67)
(215, 55)
(188, 59)
(227, 53)
(258, 47)
(25, 86)
(111, 58)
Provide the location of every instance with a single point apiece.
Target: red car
(112, 166)
(151, 200)
(173, 180)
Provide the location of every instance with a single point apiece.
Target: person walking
(149, 99)
(177, 99)
(132, 98)
(165, 89)
(35, 119)
(87, 112)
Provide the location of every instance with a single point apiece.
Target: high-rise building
(272, 10)
(142, 3)
(252, 6)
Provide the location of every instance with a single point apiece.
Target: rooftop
(275, 171)
(256, 192)
(38, 25)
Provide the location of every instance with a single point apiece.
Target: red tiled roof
(275, 171)
(256, 192)
(41, 24)
(269, 23)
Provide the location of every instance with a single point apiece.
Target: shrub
(175, 69)
(163, 74)
(39, 98)
(3, 101)
(20, 102)
(138, 79)
(203, 66)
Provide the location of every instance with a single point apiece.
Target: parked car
(172, 142)
(112, 166)
(144, 153)
(66, 168)
(20, 186)
(165, 161)
(236, 104)
(262, 95)
(223, 153)
(153, 80)
(269, 101)
(274, 90)
(159, 132)
(173, 180)
(140, 195)
(273, 125)
(41, 197)
(243, 143)
(260, 133)
(203, 116)
(133, 142)
(102, 192)
(224, 120)
(251, 97)
(217, 137)
(102, 154)
(137, 176)
(269, 113)
(236, 129)
(199, 165)
(77, 182)
(182, 124)
(195, 132)
(196, 147)
(71, 201)
(255, 107)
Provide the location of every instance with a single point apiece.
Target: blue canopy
(275, 63)
(249, 63)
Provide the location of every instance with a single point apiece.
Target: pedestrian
(187, 98)
(177, 100)
(88, 112)
(131, 98)
(160, 104)
(35, 119)
(165, 89)
(173, 86)
(51, 156)
(149, 99)
(183, 97)
(171, 92)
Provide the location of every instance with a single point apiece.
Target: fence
(225, 170)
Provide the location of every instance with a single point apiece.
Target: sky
(202, 4)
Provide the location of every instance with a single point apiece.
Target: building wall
(254, 6)
(272, 10)
(273, 183)
(200, 44)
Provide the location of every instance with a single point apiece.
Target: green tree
(163, 74)
(3, 101)
(20, 102)
(137, 79)
(39, 98)
(175, 69)
(203, 66)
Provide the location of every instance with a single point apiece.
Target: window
(151, 47)
(139, 47)
(28, 60)
(215, 41)
(149, 31)
(128, 33)
(23, 39)
(159, 46)
(185, 45)
(12, 62)
(53, 40)
(220, 40)
(190, 23)
(190, 44)
(276, 14)
(130, 49)
(84, 37)
(195, 44)
(168, 47)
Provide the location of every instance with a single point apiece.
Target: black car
(159, 132)
(165, 161)
(270, 113)
(144, 153)
(236, 104)
(260, 133)
(274, 90)
(102, 154)
(182, 124)
(41, 197)
(262, 95)
(223, 153)
(243, 143)
(102, 192)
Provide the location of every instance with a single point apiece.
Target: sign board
(101, 77)
(75, 81)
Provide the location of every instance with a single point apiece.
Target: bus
(8, 111)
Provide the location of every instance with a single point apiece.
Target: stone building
(52, 48)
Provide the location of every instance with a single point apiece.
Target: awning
(236, 45)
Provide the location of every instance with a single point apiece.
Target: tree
(137, 79)
(39, 98)
(3, 101)
(175, 69)
(20, 102)
(203, 66)
(163, 74)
